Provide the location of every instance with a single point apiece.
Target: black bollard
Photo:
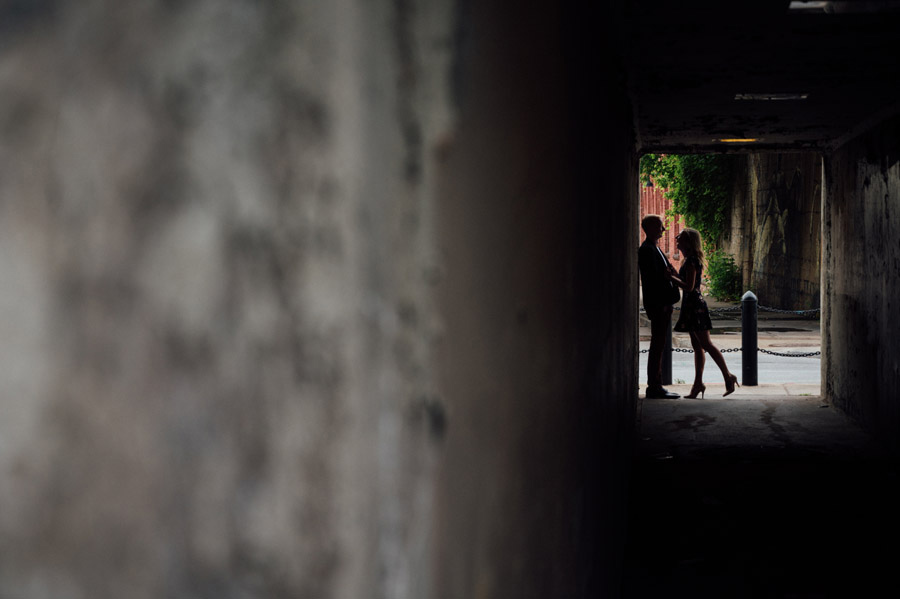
(749, 341)
(667, 358)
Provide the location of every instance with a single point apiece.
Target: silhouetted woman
(694, 318)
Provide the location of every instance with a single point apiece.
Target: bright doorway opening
(760, 217)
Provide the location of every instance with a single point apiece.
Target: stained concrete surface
(861, 332)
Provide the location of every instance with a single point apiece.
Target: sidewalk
(765, 390)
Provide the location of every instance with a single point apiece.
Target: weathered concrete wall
(786, 189)
(860, 327)
(216, 237)
(313, 299)
(738, 240)
(776, 227)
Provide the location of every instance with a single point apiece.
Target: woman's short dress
(694, 312)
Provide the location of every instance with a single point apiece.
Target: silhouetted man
(658, 299)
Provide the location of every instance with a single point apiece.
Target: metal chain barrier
(748, 312)
(736, 349)
(792, 355)
(807, 313)
(723, 310)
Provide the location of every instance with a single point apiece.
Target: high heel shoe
(730, 382)
(701, 389)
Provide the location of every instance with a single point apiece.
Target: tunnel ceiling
(698, 71)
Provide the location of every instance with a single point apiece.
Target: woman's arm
(690, 277)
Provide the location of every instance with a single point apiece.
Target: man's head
(653, 226)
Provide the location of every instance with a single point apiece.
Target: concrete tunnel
(309, 299)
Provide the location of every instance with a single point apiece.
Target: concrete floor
(763, 496)
(769, 493)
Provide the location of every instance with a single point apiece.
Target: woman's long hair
(693, 242)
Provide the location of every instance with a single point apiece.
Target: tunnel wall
(860, 328)
(313, 299)
(538, 223)
(776, 227)
(216, 237)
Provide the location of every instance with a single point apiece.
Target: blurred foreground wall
(313, 299)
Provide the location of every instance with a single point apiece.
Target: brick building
(653, 202)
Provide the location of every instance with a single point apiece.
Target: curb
(714, 391)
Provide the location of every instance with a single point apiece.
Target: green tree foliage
(723, 276)
(700, 187)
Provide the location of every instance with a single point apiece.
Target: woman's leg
(714, 353)
(699, 359)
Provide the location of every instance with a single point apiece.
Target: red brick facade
(653, 202)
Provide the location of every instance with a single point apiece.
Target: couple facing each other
(660, 283)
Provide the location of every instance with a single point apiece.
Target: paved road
(776, 333)
(771, 369)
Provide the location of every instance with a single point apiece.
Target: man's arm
(649, 262)
(690, 277)
(642, 260)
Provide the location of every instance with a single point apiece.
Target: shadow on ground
(717, 512)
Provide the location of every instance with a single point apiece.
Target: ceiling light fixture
(775, 96)
(739, 140)
(808, 6)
